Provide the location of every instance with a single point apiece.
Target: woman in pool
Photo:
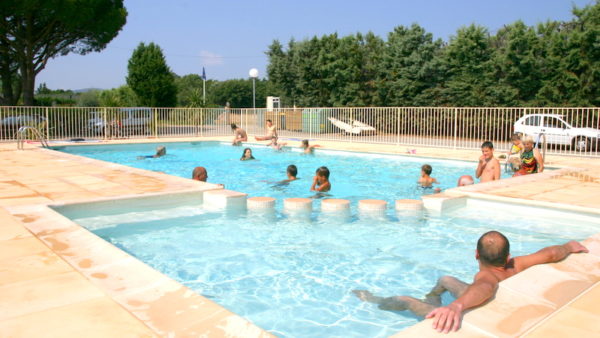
(247, 155)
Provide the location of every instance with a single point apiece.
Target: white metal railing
(445, 127)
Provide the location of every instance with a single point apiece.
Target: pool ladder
(22, 136)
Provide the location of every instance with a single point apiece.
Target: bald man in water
(495, 265)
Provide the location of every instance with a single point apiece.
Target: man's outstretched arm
(448, 318)
(551, 254)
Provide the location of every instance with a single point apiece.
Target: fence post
(47, 125)
(155, 131)
(398, 126)
(455, 125)
(351, 124)
(201, 112)
(104, 122)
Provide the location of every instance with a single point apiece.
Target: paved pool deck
(60, 280)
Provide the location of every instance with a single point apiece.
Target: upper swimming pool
(354, 176)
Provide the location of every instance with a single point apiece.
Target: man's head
(305, 143)
(426, 168)
(487, 149)
(493, 249)
(161, 151)
(323, 172)
(200, 174)
(269, 123)
(233, 126)
(465, 180)
(292, 170)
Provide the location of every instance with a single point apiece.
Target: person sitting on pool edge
(271, 131)
(488, 168)
(321, 180)
(531, 160)
(160, 151)
(239, 135)
(308, 149)
(247, 155)
(495, 265)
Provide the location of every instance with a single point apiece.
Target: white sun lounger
(355, 128)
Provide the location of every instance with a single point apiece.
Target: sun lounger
(356, 128)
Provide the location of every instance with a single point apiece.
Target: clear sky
(229, 37)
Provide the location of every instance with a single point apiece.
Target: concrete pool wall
(59, 278)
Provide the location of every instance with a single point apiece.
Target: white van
(128, 120)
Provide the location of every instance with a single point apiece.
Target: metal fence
(569, 131)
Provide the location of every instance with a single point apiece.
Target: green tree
(33, 31)
(150, 77)
(467, 58)
(189, 90)
(118, 97)
(91, 98)
(238, 92)
(410, 65)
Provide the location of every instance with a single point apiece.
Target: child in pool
(247, 155)
(308, 149)
(321, 180)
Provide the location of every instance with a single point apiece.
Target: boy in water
(275, 144)
(321, 180)
(426, 180)
(488, 168)
(308, 149)
(291, 172)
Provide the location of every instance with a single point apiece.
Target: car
(558, 131)
(128, 120)
(10, 125)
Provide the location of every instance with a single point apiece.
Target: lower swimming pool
(293, 276)
(354, 176)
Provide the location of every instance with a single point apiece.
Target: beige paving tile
(170, 307)
(100, 317)
(548, 284)
(581, 266)
(589, 301)
(10, 228)
(28, 267)
(45, 293)
(18, 247)
(425, 329)
(509, 314)
(569, 322)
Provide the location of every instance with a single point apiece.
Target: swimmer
(275, 144)
(200, 174)
(247, 155)
(465, 180)
(321, 180)
(308, 149)
(426, 181)
(488, 168)
(160, 151)
(495, 265)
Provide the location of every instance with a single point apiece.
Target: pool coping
(53, 236)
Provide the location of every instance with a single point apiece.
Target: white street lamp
(253, 74)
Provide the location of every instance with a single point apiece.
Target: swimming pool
(354, 176)
(294, 276)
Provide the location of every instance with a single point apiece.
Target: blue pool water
(294, 276)
(354, 176)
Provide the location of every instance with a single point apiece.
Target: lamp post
(253, 74)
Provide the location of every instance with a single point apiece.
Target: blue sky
(229, 37)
